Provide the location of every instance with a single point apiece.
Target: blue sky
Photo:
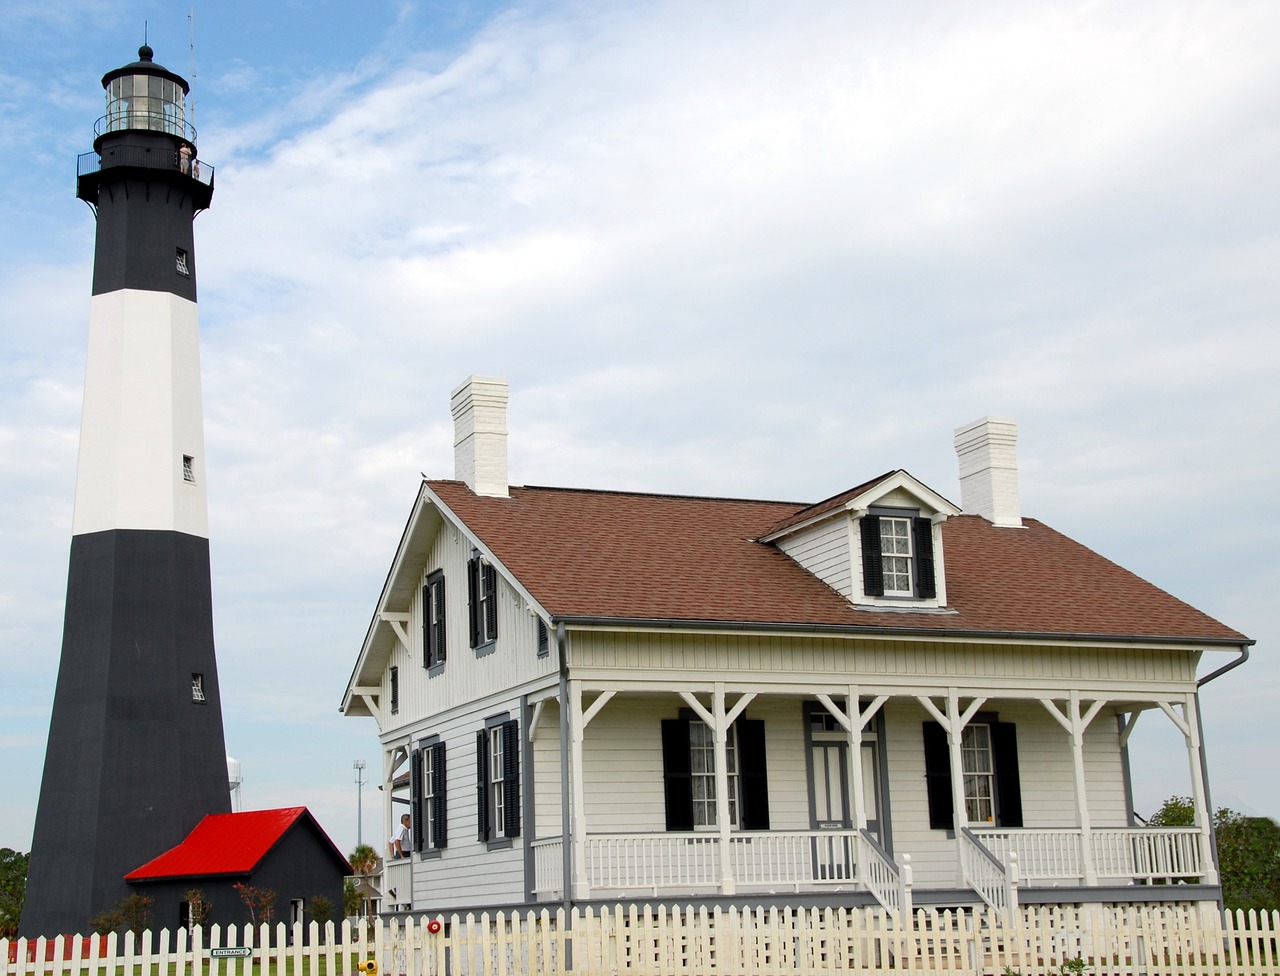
(730, 248)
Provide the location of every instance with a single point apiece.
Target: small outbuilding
(285, 851)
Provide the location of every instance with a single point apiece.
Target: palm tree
(363, 860)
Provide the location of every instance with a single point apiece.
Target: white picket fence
(1132, 941)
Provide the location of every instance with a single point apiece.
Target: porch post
(854, 758)
(728, 885)
(1082, 800)
(1200, 795)
(581, 887)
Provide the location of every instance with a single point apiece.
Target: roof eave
(857, 630)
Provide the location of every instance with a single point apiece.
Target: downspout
(1204, 765)
(566, 848)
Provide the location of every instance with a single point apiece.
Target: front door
(832, 806)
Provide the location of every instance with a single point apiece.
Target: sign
(243, 952)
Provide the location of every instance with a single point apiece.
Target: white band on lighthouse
(142, 436)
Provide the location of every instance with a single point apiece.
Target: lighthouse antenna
(191, 46)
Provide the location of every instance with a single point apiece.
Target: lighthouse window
(183, 267)
(197, 688)
(188, 469)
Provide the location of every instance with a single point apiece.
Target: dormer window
(897, 554)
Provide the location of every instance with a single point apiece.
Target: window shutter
(676, 775)
(1004, 750)
(473, 599)
(415, 797)
(440, 827)
(872, 568)
(753, 775)
(926, 585)
(511, 778)
(937, 777)
(438, 638)
(482, 784)
(427, 636)
(544, 638)
(490, 602)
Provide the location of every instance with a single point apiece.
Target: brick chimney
(479, 408)
(989, 470)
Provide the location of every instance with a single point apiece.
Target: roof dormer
(879, 544)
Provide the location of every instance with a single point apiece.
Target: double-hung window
(989, 766)
(482, 597)
(430, 816)
(433, 623)
(689, 774)
(897, 554)
(498, 780)
(702, 765)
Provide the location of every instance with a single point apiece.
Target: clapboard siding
(466, 676)
(701, 656)
(467, 872)
(823, 550)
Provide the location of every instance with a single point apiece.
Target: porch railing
(995, 880)
(397, 882)
(1142, 854)
(890, 884)
(619, 862)
(548, 867)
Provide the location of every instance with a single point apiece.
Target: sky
(738, 248)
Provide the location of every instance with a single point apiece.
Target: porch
(858, 802)
(796, 861)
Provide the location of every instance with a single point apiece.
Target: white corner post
(1075, 722)
(581, 889)
(1189, 725)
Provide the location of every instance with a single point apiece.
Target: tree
(259, 902)
(132, 913)
(1248, 852)
(320, 908)
(13, 890)
(351, 900)
(363, 860)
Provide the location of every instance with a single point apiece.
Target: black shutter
(937, 777)
(438, 631)
(473, 599)
(752, 775)
(482, 784)
(427, 636)
(1004, 751)
(415, 797)
(677, 777)
(926, 586)
(490, 602)
(511, 778)
(439, 827)
(872, 568)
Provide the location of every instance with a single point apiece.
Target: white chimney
(989, 470)
(479, 408)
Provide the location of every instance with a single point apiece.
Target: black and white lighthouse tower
(136, 754)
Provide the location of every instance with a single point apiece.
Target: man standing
(400, 843)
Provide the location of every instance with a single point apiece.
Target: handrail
(145, 157)
(129, 120)
(994, 883)
(881, 876)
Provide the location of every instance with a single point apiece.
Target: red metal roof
(617, 555)
(227, 843)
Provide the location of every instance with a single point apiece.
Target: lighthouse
(136, 754)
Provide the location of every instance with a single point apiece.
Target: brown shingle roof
(600, 554)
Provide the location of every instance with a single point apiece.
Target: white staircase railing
(995, 883)
(890, 884)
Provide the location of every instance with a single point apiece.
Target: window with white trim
(702, 767)
(895, 556)
(978, 766)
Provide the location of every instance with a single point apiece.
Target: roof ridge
(625, 493)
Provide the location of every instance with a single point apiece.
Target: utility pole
(358, 766)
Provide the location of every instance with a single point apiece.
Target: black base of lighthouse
(136, 752)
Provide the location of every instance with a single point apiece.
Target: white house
(599, 696)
